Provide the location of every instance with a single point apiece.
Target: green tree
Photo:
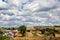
(22, 29)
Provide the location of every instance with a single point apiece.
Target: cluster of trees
(12, 28)
(49, 32)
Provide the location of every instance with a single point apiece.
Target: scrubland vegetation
(35, 33)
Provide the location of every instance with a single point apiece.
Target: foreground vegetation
(33, 34)
(4, 38)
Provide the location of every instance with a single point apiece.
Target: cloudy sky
(29, 12)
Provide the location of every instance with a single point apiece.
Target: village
(30, 33)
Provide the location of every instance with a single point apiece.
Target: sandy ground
(30, 36)
(57, 35)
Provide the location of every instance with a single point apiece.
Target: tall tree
(22, 29)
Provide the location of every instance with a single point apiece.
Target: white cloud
(41, 5)
(3, 5)
(34, 12)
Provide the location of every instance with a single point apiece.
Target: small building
(9, 33)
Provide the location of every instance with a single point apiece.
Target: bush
(34, 33)
(42, 31)
(28, 30)
(4, 38)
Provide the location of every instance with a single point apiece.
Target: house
(9, 33)
(14, 32)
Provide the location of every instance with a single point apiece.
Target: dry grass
(29, 36)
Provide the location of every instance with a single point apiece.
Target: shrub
(4, 38)
(42, 31)
(28, 30)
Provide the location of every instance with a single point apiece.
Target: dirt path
(29, 34)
